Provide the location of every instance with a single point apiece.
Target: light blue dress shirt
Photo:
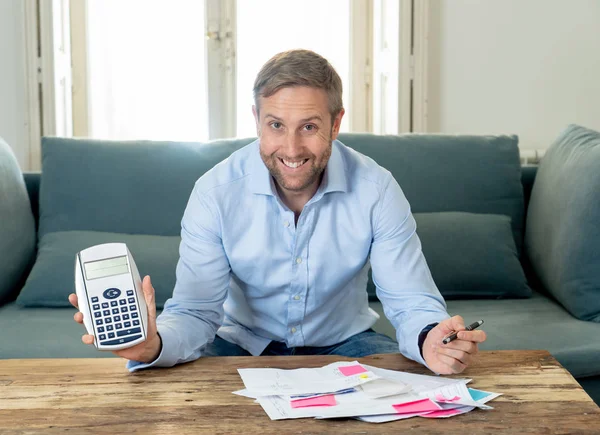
(250, 275)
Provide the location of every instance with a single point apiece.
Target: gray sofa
(474, 205)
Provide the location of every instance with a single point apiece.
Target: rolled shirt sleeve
(193, 315)
(409, 296)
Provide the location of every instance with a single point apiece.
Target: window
(267, 27)
(146, 70)
(183, 70)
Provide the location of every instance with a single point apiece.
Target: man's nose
(292, 144)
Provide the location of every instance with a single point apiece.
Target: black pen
(454, 335)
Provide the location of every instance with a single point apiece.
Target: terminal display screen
(104, 268)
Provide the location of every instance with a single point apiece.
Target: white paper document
(245, 393)
(418, 383)
(279, 382)
(351, 389)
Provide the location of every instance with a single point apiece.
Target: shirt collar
(334, 176)
(260, 180)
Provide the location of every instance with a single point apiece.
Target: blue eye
(276, 125)
(310, 127)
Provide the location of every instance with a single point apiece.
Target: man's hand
(455, 356)
(144, 352)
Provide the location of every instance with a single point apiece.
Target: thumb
(452, 324)
(149, 296)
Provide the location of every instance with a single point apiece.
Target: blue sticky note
(478, 394)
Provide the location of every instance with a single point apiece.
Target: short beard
(315, 173)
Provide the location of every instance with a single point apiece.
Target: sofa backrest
(32, 181)
(132, 187)
(477, 174)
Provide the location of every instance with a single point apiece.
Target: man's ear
(256, 119)
(337, 122)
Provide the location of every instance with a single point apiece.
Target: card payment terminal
(110, 297)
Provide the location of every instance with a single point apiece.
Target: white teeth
(293, 164)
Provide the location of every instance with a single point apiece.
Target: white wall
(13, 91)
(528, 67)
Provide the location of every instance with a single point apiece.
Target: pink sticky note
(327, 400)
(441, 398)
(423, 405)
(352, 370)
(443, 413)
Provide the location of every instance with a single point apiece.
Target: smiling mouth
(292, 164)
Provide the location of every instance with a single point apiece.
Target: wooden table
(101, 396)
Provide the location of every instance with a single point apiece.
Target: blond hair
(299, 68)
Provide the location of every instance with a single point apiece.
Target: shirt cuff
(411, 338)
(423, 335)
(167, 356)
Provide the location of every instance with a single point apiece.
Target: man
(278, 238)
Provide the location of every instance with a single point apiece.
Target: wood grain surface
(101, 396)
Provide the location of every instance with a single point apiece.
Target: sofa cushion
(52, 277)
(137, 187)
(17, 225)
(47, 333)
(475, 174)
(563, 222)
(535, 323)
(472, 255)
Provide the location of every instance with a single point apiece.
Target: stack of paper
(350, 389)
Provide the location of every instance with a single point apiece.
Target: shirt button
(297, 297)
(298, 260)
(286, 224)
(294, 330)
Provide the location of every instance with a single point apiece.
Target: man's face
(296, 131)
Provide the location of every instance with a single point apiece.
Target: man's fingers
(454, 365)
(461, 345)
(78, 317)
(474, 336)
(73, 300)
(457, 354)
